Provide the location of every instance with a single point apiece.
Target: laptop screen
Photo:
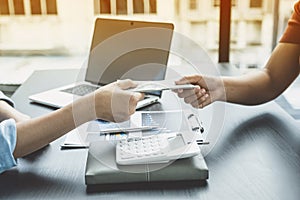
(124, 49)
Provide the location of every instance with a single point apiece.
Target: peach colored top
(292, 31)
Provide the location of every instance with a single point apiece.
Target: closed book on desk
(101, 168)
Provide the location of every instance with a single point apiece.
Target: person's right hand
(114, 103)
(210, 89)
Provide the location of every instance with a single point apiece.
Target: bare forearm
(258, 87)
(36, 133)
(250, 89)
(262, 86)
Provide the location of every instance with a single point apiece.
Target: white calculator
(155, 149)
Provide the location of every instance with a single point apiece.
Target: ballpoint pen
(128, 129)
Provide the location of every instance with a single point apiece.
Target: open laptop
(120, 49)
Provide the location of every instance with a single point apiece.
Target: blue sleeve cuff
(8, 140)
(6, 99)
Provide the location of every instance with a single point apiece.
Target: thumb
(138, 96)
(126, 84)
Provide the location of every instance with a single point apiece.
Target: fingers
(206, 102)
(202, 102)
(192, 95)
(138, 96)
(198, 98)
(124, 104)
(194, 79)
(132, 105)
(186, 93)
(134, 98)
(133, 101)
(126, 84)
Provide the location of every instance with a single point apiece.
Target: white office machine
(155, 149)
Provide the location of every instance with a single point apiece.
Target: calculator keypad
(137, 150)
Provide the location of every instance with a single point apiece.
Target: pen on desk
(131, 129)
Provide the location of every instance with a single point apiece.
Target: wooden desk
(255, 157)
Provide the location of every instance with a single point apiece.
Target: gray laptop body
(120, 49)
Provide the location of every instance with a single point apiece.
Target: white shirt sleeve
(8, 139)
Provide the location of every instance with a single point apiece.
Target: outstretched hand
(210, 89)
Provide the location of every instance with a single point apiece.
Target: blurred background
(52, 34)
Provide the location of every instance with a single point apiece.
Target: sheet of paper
(88, 132)
(91, 131)
(75, 139)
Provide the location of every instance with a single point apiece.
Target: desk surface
(255, 157)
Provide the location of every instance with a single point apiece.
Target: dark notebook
(101, 168)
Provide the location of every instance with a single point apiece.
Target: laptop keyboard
(81, 90)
